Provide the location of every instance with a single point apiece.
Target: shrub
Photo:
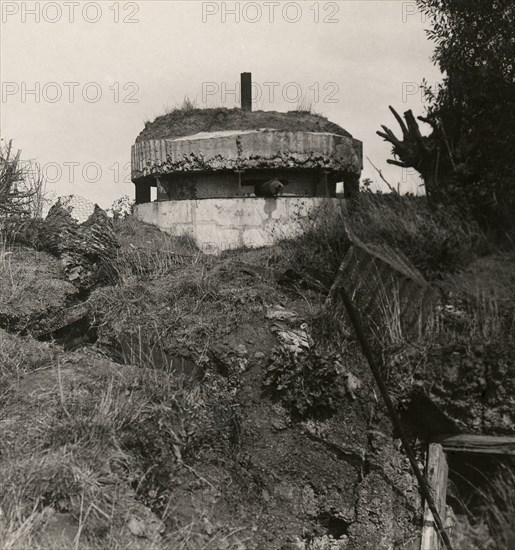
(436, 242)
(22, 187)
(309, 384)
(121, 208)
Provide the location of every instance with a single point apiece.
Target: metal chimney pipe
(246, 91)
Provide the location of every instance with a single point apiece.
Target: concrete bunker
(217, 172)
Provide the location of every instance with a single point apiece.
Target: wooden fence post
(437, 472)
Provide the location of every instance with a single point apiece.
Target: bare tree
(22, 186)
(423, 153)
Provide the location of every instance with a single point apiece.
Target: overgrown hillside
(219, 402)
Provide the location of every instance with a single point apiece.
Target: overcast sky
(79, 79)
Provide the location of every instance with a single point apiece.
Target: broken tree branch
(415, 150)
(392, 189)
(400, 121)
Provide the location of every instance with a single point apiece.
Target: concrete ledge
(224, 224)
(251, 149)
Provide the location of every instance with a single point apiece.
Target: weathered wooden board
(504, 445)
(437, 472)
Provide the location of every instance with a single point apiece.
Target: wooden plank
(436, 472)
(478, 444)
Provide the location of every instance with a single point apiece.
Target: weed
(309, 384)
(15, 280)
(188, 104)
(485, 517)
(436, 243)
(103, 436)
(498, 510)
(148, 253)
(304, 105)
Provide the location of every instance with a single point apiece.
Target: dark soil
(163, 419)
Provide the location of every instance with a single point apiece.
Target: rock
(295, 545)
(309, 501)
(241, 350)
(279, 418)
(150, 528)
(353, 385)
(295, 340)
(327, 542)
(136, 527)
(278, 313)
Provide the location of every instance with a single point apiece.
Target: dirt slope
(220, 407)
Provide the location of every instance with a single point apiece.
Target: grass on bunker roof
(188, 121)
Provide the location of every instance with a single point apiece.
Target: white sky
(373, 55)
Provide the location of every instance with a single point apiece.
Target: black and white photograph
(257, 275)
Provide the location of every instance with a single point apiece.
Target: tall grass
(187, 104)
(490, 525)
(498, 510)
(147, 253)
(11, 277)
(304, 105)
(436, 243)
(18, 279)
(103, 442)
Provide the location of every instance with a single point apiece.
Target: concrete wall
(223, 224)
(243, 150)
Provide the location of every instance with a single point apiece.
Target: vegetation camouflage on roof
(186, 122)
